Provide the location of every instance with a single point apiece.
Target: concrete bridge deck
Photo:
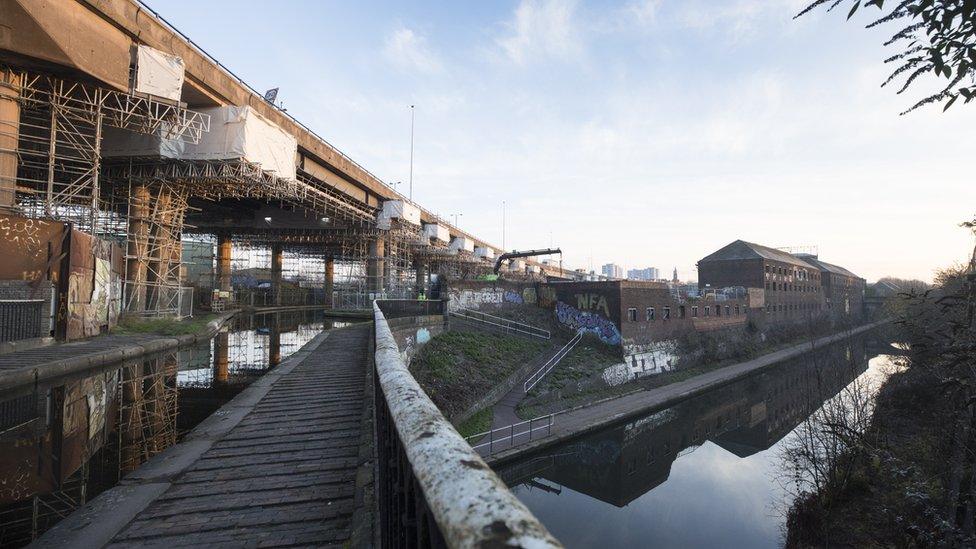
(276, 466)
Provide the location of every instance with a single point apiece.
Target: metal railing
(502, 323)
(523, 431)
(536, 377)
(21, 318)
(396, 308)
(432, 488)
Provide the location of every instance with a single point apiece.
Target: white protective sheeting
(240, 132)
(399, 209)
(462, 243)
(535, 269)
(437, 231)
(158, 73)
(485, 252)
(517, 265)
(118, 142)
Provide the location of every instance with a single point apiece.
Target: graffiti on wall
(593, 302)
(529, 295)
(513, 297)
(589, 322)
(474, 299)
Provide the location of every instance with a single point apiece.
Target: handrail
(512, 433)
(501, 322)
(470, 505)
(536, 377)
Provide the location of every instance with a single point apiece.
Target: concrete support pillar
(277, 261)
(223, 262)
(137, 261)
(274, 342)
(376, 266)
(9, 135)
(221, 357)
(329, 282)
(420, 284)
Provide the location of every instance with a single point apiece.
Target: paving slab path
(276, 466)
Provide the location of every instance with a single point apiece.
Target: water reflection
(702, 473)
(67, 440)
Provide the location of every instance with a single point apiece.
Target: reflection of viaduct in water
(67, 440)
(620, 464)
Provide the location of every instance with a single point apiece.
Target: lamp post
(411, 152)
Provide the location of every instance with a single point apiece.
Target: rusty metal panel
(27, 247)
(94, 286)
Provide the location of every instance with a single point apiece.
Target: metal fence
(501, 323)
(433, 489)
(512, 435)
(21, 318)
(397, 308)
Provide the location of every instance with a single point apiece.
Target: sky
(645, 133)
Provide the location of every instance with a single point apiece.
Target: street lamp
(411, 152)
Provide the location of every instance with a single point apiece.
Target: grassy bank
(456, 369)
(164, 326)
(478, 423)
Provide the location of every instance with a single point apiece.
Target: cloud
(542, 30)
(408, 51)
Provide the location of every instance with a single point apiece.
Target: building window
(727, 309)
(708, 310)
(694, 310)
(736, 309)
(718, 310)
(667, 313)
(632, 314)
(650, 313)
(681, 311)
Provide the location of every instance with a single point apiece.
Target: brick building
(843, 290)
(795, 287)
(792, 286)
(644, 318)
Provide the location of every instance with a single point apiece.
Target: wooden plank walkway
(284, 474)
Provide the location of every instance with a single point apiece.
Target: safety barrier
(433, 489)
(514, 434)
(502, 323)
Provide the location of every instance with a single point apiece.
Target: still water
(707, 472)
(66, 441)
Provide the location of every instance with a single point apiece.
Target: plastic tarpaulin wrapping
(158, 73)
(400, 209)
(437, 232)
(118, 142)
(240, 132)
(485, 252)
(462, 243)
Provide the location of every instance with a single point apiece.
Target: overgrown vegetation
(478, 423)
(906, 477)
(164, 326)
(935, 37)
(457, 368)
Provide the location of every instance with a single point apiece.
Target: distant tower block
(674, 277)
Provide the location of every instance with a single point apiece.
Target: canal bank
(714, 470)
(20, 368)
(592, 417)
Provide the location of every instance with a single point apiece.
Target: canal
(711, 471)
(64, 442)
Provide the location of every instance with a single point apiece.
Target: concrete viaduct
(70, 87)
